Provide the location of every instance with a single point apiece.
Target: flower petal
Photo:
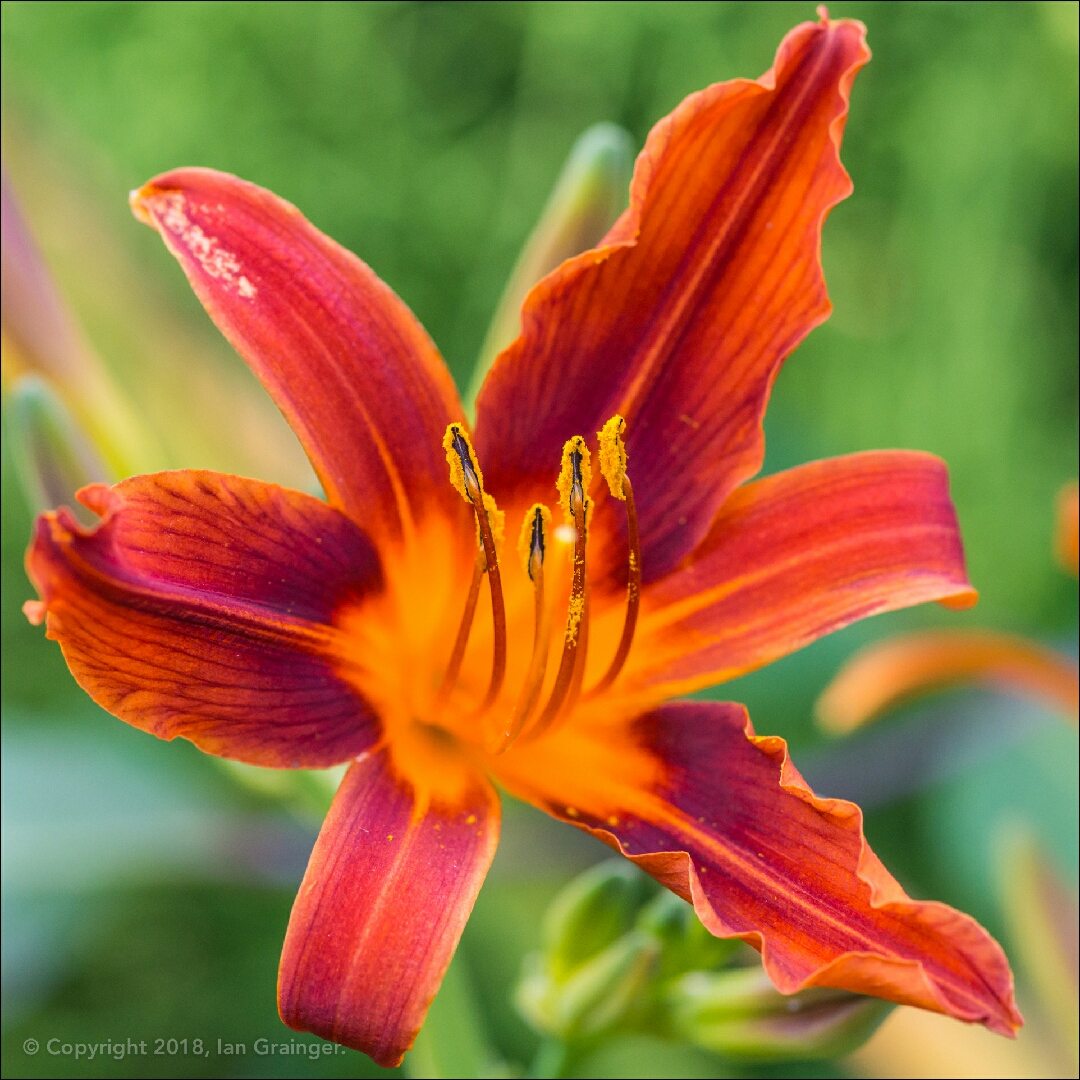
(799, 555)
(681, 319)
(200, 605)
(387, 893)
(881, 675)
(348, 364)
(727, 822)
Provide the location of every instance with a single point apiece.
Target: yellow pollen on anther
(575, 453)
(454, 440)
(528, 535)
(612, 455)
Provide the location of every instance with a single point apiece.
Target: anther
(613, 460)
(466, 476)
(532, 546)
(573, 485)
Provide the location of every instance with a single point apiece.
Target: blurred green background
(145, 895)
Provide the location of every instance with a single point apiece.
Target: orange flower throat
(433, 709)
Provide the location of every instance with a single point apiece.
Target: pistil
(466, 476)
(613, 459)
(573, 487)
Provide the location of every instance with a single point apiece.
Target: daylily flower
(271, 627)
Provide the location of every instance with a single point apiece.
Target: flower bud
(686, 944)
(587, 198)
(595, 996)
(739, 1013)
(52, 456)
(592, 912)
(594, 964)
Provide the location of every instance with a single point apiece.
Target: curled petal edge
(860, 972)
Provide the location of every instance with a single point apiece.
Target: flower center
(526, 720)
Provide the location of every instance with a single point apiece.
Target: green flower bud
(687, 945)
(594, 910)
(596, 996)
(594, 965)
(739, 1013)
(52, 456)
(589, 195)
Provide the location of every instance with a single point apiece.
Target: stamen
(532, 546)
(573, 486)
(453, 668)
(613, 459)
(466, 476)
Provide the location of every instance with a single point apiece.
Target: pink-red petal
(387, 892)
(798, 555)
(201, 606)
(726, 822)
(355, 374)
(680, 320)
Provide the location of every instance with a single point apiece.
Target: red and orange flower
(270, 627)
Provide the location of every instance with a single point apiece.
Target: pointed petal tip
(960, 601)
(325, 335)
(731, 827)
(34, 610)
(136, 200)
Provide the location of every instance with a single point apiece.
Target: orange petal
(1065, 535)
(799, 555)
(355, 374)
(886, 673)
(680, 320)
(726, 821)
(199, 607)
(387, 892)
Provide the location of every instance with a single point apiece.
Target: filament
(573, 484)
(453, 668)
(533, 545)
(633, 593)
(465, 475)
